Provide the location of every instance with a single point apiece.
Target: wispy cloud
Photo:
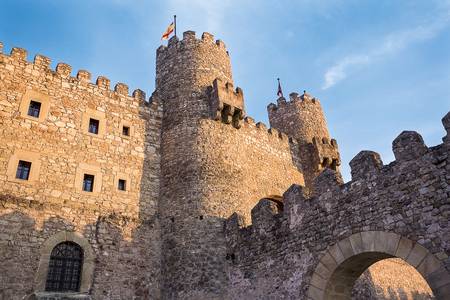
(210, 14)
(388, 45)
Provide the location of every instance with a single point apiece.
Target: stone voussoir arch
(46, 250)
(343, 262)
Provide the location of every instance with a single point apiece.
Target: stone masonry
(190, 198)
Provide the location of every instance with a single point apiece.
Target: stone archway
(342, 264)
(88, 261)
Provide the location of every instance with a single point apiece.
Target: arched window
(64, 269)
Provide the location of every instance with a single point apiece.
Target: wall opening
(391, 278)
(393, 266)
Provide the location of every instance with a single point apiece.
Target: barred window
(34, 109)
(64, 270)
(88, 183)
(93, 126)
(23, 170)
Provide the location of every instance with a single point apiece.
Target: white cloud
(389, 45)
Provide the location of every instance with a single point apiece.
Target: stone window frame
(125, 177)
(127, 124)
(84, 168)
(87, 271)
(29, 156)
(32, 95)
(97, 115)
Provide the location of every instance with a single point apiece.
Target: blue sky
(378, 66)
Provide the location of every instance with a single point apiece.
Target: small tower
(302, 118)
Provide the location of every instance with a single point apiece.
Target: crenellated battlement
(301, 101)
(190, 40)
(17, 62)
(226, 103)
(369, 179)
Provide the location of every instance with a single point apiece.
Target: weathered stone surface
(196, 169)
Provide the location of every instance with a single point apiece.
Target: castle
(105, 195)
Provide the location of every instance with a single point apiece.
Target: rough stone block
(365, 164)
(404, 248)
(409, 145)
(416, 255)
(63, 69)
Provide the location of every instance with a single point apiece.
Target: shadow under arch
(278, 200)
(342, 264)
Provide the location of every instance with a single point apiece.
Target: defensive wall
(191, 158)
(214, 162)
(119, 229)
(318, 245)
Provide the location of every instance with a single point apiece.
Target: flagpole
(175, 24)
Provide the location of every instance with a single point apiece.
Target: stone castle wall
(318, 245)
(209, 168)
(190, 162)
(120, 226)
(302, 118)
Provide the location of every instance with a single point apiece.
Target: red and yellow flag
(168, 31)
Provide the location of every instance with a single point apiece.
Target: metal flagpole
(175, 24)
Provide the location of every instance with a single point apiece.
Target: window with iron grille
(93, 126)
(64, 269)
(34, 109)
(88, 183)
(23, 170)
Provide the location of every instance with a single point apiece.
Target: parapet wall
(278, 254)
(60, 137)
(120, 226)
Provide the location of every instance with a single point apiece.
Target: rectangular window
(93, 126)
(122, 185)
(34, 109)
(126, 130)
(88, 183)
(23, 170)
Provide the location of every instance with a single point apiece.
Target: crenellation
(19, 53)
(103, 83)
(84, 76)
(139, 95)
(446, 123)
(63, 69)
(41, 62)
(409, 145)
(365, 165)
(208, 37)
(121, 89)
(191, 198)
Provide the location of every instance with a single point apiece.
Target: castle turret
(302, 118)
(194, 83)
(213, 163)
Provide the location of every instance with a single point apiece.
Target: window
(122, 185)
(34, 109)
(64, 270)
(126, 130)
(93, 126)
(88, 183)
(23, 170)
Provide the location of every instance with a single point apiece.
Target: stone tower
(192, 248)
(302, 118)
(213, 163)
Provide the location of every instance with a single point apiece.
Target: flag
(169, 30)
(279, 92)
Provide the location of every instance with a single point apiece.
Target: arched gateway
(342, 264)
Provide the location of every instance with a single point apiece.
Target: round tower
(303, 119)
(193, 247)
